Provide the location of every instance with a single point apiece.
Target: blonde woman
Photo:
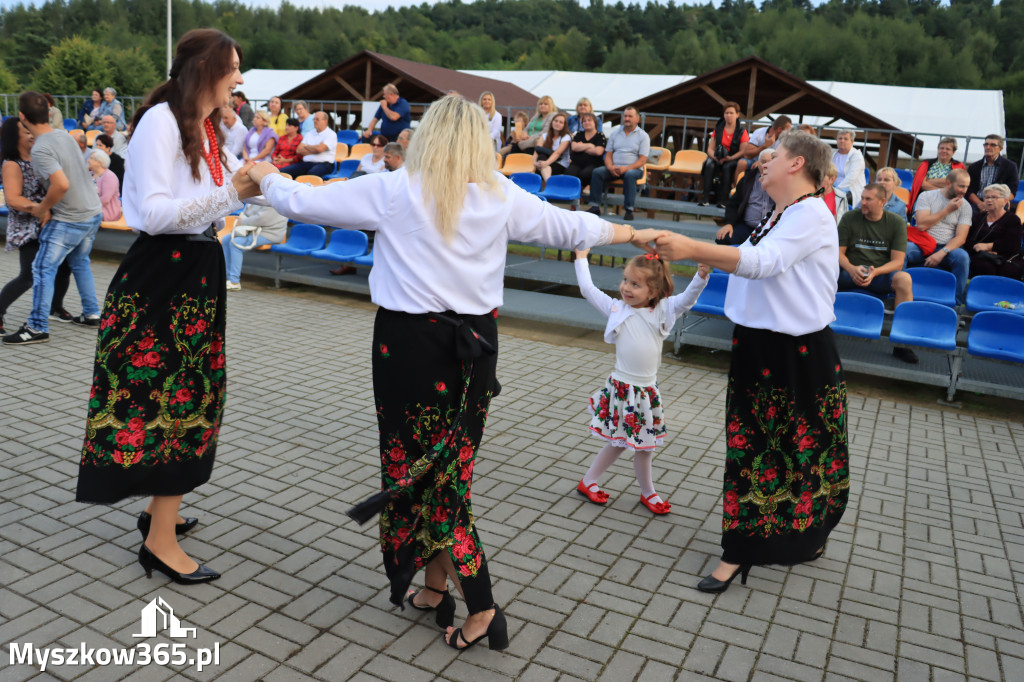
(583, 106)
(443, 223)
(261, 139)
(487, 103)
(536, 128)
(887, 178)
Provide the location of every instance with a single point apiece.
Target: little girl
(627, 410)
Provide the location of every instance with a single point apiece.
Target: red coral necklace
(213, 155)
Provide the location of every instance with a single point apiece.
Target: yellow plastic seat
(91, 135)
(327, 182)
(314, 180)
(118, 224)
(904, 194)
(229, 226)
(340, 152)
(359, 150)
(497, 160)
(286, 175)
(518, 163)
(659, 159)
(688, 162)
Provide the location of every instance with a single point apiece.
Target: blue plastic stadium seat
(933, 284)
(562, 188)
(1020, 194)
(858, 315)
(528, 181)
(985, 291)
(906, 178)
(997, 335)
(712, 300)
(924, 324)
(70, 124)
(343, 246)
(366, 259)
(344, 169)
(349, 137)
(303, 239)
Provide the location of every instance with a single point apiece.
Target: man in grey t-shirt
(946, 216)
(624, 158)
(70, 214)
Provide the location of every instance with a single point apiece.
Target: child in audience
(627, 411)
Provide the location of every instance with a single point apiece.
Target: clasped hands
(247, 179)
(668, 245)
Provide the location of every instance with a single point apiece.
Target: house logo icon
(158, 615)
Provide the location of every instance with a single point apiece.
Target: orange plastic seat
(497, 160)
(518, 163)
(341, 152)
(903, 193)
(360, 150)
(688, 162)
(314, 180)
(91, 135)
(327, 182)
(659, 159)
(118, 224)
(229, 226)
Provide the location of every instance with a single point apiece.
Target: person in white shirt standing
(443, 223)
(849, 164)
(316, 149)
(787, 471)
(234, 132)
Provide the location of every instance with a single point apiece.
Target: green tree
(134, 72)
(74, 66)
(8, 81)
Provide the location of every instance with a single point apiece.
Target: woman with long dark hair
(158, 385)
(443, 223)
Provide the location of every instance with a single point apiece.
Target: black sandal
(445, 609)
(497, 634)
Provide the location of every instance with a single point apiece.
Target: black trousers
(23, 280)
(725, 171)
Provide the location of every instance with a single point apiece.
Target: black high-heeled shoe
(820, 553)
(497, 634)
(713, 584)
(150, 561)
(180, 528)
(445, 609)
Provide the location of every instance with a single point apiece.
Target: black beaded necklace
(764, 227)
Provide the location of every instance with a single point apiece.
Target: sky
(371, 5)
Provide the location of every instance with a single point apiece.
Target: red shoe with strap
(655, 507)
(592, 493)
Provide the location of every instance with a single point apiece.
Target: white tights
(607, 455)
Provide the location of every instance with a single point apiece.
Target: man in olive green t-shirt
(872, 246)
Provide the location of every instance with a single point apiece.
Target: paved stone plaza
(921, 581)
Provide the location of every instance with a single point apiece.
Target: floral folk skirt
(158, 386)
(628, 416)
(431, 409)
(787, 473)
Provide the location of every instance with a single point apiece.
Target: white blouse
(414, 269)
(787, 282)
(368, 165)
(159, 195)
(495, 127)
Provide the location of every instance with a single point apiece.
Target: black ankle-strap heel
(445, 610)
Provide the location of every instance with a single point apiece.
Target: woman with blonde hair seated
(887, 178)
(536, 128)
(489, 105)
(443, 223)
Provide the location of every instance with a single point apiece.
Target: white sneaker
(234, 286)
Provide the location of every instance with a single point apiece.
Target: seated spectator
(624, 158)
(260, 140)
(992, 169)
(108, 107)
(889, 180)
(79, 137)
(762, 139)
(106, 145)
(551, 156)
(374, 161)
(536, 129)
(317, 150)
(486, 103)
(394, 156)
(106, 185)
(994, 240)
(587, 150)
(747, 206)
(286, 151)
(109, 127)
(89, 105)
(807, 128)
(724, 153)
(518, 133)
(56, 117)
(301, 110)
(946, 216)
(234, 132)
(583, 106)
(931, 173)
(241, 105)
(278, 119)
(404, 138)
(836, 202)
(393, 113)
(271, 228)
(872, 247)
(849, 163)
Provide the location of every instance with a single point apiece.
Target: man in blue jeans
(946, 215)
(624, 158)
(70, 214)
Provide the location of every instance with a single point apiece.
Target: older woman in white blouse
(438, 277)
(787, 473)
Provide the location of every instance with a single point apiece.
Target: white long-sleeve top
(159, 195)
(852, 175)
(638, 333)
(414, 269)
(494, 124)
(787, 281)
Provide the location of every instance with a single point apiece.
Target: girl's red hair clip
(651, 256)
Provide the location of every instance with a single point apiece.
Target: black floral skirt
(431, 408)
(158, 386)
(787, 473)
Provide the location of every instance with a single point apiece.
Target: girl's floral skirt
(628, 416)
(431, 410)
(787, 470)
(158, 384)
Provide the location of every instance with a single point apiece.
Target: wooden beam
(714, 95)
(343, 83)
(751, 90)
(366, 89)
(778, 105)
